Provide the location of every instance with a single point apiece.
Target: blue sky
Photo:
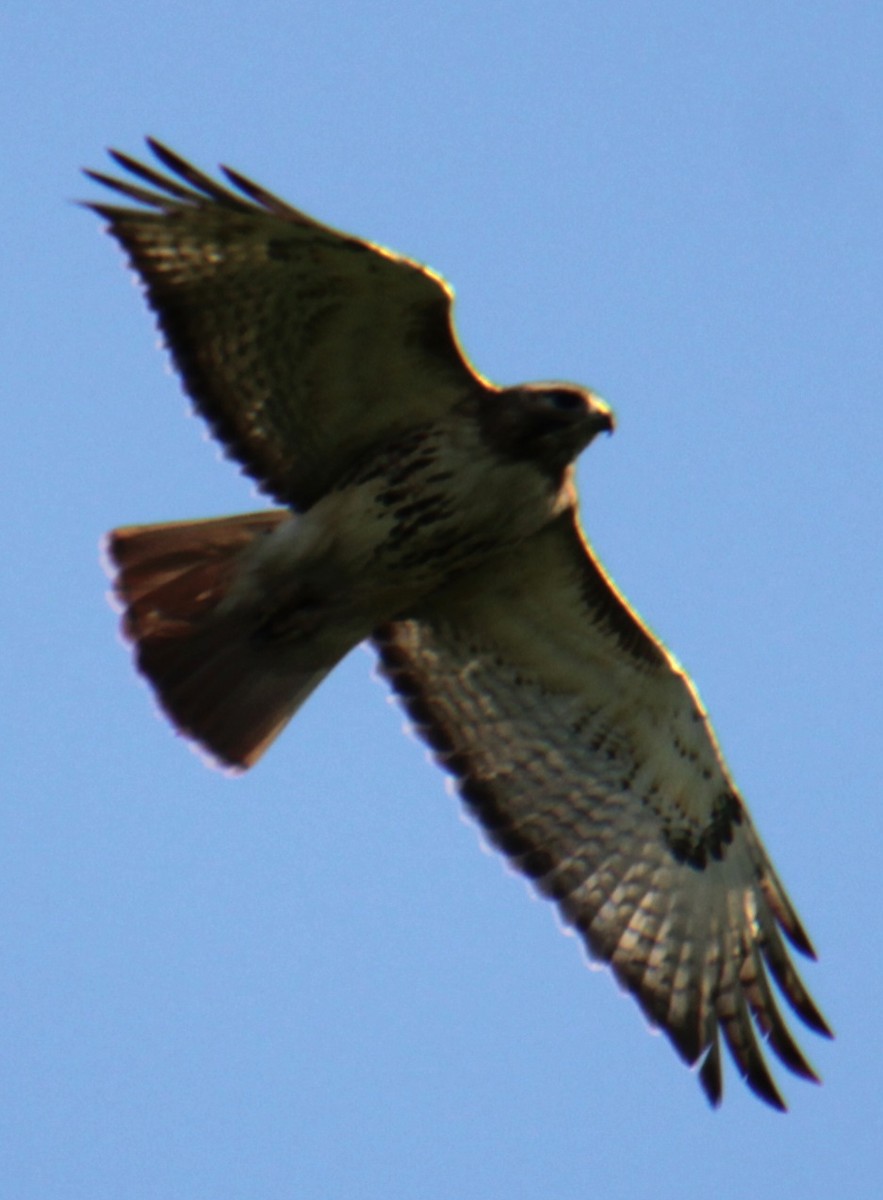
(313, 982)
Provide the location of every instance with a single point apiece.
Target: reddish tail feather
(222, 686)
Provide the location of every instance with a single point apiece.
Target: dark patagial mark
(613, 613)
(429, 333)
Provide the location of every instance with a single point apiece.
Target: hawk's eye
(564, 401)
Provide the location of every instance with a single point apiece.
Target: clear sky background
(312, 982)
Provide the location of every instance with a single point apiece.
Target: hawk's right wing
(302, 347)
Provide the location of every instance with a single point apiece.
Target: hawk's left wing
(584, 751)
(302, 347)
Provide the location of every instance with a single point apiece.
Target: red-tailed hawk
(436, 514)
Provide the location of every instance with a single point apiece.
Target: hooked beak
(603, 416)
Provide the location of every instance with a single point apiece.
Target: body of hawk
(435, 514)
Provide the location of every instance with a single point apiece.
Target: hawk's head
(549, 423)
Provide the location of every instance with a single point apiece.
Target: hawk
(435, 514)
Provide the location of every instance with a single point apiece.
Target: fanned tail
(222, 681)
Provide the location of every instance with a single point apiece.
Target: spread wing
(301, 347)
(584, 751)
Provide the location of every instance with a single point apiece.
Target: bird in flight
(433, 513)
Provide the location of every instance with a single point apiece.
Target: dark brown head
(548, 423)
